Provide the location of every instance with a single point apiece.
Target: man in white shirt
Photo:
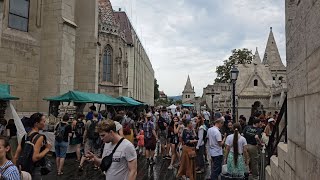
(215, 148)
(124, 160)
(206, 115)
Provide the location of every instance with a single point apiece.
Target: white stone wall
(302, 158)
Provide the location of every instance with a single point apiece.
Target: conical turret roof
(188, 87)
(271, 55)
(256, 57)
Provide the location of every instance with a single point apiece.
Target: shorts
(162, 136)
(150, 143)
(174, 139)
(61, 149)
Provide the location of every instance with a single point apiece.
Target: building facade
(261, 85)
(299, 159)
(50, 47)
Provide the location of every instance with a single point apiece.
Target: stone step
(282, 154)
(268, 173)
(274, 166)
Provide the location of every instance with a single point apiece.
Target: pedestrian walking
(62, 133)
(40, 147)
(150, 140)
(8, 170)
(174, 140)
(200, 148)
(215, 148)
(237, 158)
(252, 133)
(187, 164)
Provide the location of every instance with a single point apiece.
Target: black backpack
(92, 134)
(161, 122)
(79, 128)
(59, 134)
(27, 144)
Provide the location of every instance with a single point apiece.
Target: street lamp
(233, 76)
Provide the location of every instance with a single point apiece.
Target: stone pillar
(87, 50)
(57, 50)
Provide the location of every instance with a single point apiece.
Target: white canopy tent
(172, 108)
(11, 113)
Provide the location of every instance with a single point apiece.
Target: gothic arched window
(255, 82)
(107, 64)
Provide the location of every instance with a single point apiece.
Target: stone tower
(272, 58)
(188, 93)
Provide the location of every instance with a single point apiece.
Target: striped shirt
(11, 173)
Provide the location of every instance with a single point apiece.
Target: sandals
(80, 168)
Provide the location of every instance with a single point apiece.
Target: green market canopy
(130, 101)
(84, 97)
(187, 105)
(5, 93)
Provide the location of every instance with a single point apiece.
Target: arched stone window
(255, 82)
(107, 64)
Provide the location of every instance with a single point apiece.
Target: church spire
(271, 55)
(188, 87)
(256, 57)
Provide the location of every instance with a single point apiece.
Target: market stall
(76, 100)
(7, 110)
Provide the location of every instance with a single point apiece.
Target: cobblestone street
(145, 172)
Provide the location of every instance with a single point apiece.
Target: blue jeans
(61, 149)
(216, 167)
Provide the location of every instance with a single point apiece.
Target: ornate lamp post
(233, 76)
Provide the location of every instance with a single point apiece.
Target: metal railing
(277, 135)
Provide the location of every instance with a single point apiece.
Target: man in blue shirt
(93, 109)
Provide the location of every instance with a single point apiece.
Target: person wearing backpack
(78, 127)
(128, 127)
(62, 133)
(33, 148)
(92, 141)
(8, 170)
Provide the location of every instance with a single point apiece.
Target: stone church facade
(261, 85)
(50, 47)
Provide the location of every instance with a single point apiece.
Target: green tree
(241, 56)
(179, 101)
(156, 89)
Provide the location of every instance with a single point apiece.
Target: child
(140, 138)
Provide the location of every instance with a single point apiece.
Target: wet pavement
(158, 171)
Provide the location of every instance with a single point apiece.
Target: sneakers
(167, 157)
(200, 171)
(170, 167)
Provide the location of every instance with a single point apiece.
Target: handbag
(46, 167)
(191, 152)
(107, 160)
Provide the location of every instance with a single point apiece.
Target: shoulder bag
(107, 160)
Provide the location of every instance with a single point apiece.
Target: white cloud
(193, 37)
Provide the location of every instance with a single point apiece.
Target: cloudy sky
(194, 36)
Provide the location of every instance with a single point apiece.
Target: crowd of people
(187, 139)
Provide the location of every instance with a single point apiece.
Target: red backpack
(126, 127)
